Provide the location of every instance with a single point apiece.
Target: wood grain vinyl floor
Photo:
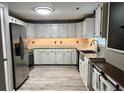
(54, 78)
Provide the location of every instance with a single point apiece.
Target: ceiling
(63, 10)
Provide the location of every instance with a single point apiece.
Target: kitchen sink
(88, 51)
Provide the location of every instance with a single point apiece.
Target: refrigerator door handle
(21, 48)
(20, 41)
(17, 49)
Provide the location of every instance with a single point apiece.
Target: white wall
(115, 58)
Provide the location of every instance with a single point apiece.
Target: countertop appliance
(19, 54)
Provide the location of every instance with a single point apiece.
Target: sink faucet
(98, 47)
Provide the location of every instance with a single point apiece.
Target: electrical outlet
(60, 42)
(54, 42)
(77, 42)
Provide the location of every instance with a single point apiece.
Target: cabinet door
(96, 80)
(59, 56)
(39, 56)
(86, 70)
(83, 70)
(84, 28)
(74, 56)
(105, 85)
(43, 30)
(36, 57)
(93, 78)
(98, 21)
(31, 30)
(67, 57)
(63, 30)
(47, 30)
(43, 57)
(78, 30)
(55, 30)
(38, 31)
(89, 27)
(71, 30)
(81, 67)
(51, 56)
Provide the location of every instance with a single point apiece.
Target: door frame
(3, 42)
(6, 46)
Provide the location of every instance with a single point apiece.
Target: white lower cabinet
(42, 57)
(80, 62)
(85, 70)
(106, 85)
(67, 57)
(96, 80)
(59, 56)
(74, 56)
(83, 66)
(36, 57)
(55, 56)
(102, 83)
(51, 57)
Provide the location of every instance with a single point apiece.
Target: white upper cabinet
(63, 30)
(38, 31)
(71, 30)
(79, 30)
(55, 30)
(43, 31)
(101, 18)
(31, 30)
(89, 27)
(98, 21)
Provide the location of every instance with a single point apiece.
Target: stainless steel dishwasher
(31, 60)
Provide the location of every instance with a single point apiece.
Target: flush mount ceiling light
(43, 10)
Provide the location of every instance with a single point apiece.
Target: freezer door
(2, 77)
(16, 55)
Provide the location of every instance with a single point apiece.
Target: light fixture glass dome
(43, 10)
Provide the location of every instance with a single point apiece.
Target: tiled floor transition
(54, 78)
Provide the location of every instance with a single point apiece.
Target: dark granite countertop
(113, 72)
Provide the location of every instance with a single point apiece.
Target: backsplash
(66, 42)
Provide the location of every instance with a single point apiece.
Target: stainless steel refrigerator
(19, 54)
